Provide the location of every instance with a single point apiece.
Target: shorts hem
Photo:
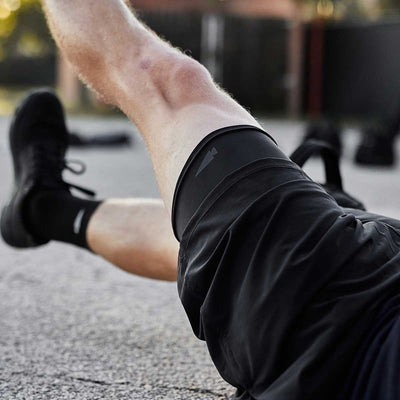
(193, 156)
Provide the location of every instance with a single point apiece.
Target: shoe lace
(49, 166)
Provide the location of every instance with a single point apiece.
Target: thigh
(250, 263)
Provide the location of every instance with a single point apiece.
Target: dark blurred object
(326, 131)
(102, 140)
(258, 84)
(330, 157)
(361, 66)
(377, 145)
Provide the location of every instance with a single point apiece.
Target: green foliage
(23, 30)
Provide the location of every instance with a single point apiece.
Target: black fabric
(375, 375)
(375, 372)
(286, 287)
(58, 215)
(217, 155)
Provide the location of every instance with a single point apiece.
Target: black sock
(58, 215)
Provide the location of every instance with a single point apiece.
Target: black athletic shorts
(296, 297)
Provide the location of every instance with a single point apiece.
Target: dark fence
(25, 71)
(255, 62)
(362, 69)
(254, 58)
(252, 55)
(183, 30)
(361, 73)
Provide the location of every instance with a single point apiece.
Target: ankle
(55, 214)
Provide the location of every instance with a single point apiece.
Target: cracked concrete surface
(74, 327)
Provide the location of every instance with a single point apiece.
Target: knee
(186, 82)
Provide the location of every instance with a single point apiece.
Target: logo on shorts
(78, 222)
(208, 159)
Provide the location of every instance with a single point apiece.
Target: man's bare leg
(170, 97)
(135, 235)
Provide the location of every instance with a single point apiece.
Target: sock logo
(208, 159)
(78, 221)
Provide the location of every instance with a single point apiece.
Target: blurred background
(286, 58)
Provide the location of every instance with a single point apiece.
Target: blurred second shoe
(377, 145)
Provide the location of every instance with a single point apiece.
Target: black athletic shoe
(38, 142)
(377, 145)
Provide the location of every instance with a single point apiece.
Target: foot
(38, 143)
(377, 146)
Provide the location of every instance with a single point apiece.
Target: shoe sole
(7, 232)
